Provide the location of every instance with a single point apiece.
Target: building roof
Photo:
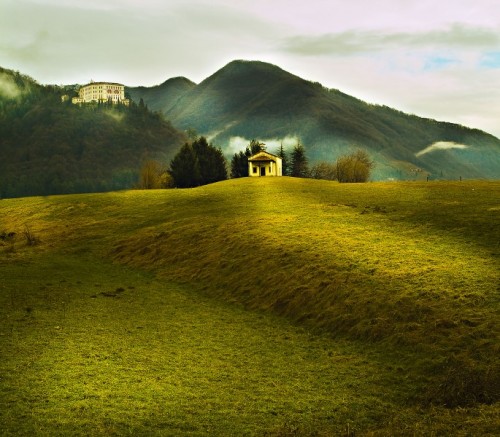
(103, 83)
(263, 156)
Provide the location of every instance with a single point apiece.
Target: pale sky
(434, 58)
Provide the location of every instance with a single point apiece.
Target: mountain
(252, 99)
(161, 97)
(49, 147)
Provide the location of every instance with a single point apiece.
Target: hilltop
(50, 147)
(253, 99)
(161, 97)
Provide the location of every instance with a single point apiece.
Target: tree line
(196, 163)
(352, 167)
(200, 163)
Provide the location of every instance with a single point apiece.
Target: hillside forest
(51, 147)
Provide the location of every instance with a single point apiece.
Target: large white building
(101, 92)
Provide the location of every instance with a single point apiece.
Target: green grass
(253, 307)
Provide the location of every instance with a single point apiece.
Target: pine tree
(185, 168)
(211, 160)
(198, 163)
(284, 161)
(239, 165)
(299, 166)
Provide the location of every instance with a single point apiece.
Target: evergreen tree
(211, 160)
(185, 168)
(239, 165)
(284, 161)
(299, 165)
(198, 163)
(256, 147)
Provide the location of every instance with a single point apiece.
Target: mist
(8, 88)
(441, 145)
(272, 145)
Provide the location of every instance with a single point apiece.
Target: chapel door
(263, 171)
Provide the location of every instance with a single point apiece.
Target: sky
(434, 58)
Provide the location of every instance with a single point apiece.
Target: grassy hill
(268, 306)
(50, 147)
(259, 100)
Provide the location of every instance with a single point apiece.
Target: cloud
(272, 145)
(353, 42)
(8, 88)
(441, 145)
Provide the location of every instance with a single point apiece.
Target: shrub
(355, 167)
(30, 237)
(323, 170)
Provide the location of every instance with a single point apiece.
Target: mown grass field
(253, 307)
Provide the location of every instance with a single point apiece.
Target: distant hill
(258, 100)
(50, 147)
(161, 97)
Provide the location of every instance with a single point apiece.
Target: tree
(299, 165)
(256, 147)
(284, 161)
(150, 175)
(239, 165)
(324, 170)
(354, 167)
(211, 160)
(239, 162)
(198, 163)
(185, 168)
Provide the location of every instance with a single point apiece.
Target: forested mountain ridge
(161, 97)
(252, 99)
(51, 147)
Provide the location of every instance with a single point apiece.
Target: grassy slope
(90, 345)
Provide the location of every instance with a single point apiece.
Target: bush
(355, 167)
(323, 170)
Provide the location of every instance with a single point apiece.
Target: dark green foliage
(299, 164)
(50, 147)
(255, 147)
(198, 163)
(211, 160)
(239, 165)
(239, 162)
(284, 161)
(185, 168)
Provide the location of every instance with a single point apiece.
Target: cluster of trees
(50, 147)
(296, 166)
(353, 167)
(198, 163)
(239, 162)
